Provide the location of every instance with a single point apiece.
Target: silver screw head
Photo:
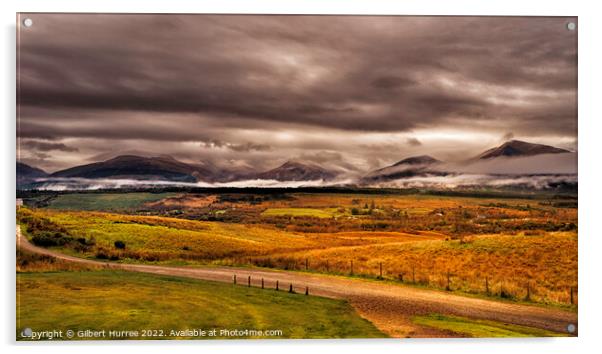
(571, 26)
(571, 328)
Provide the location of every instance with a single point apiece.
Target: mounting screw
(571, 328)
(571, 26)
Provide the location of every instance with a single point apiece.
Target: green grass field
(480, 328)
(318, 213)
(105, 201)
(114, 300)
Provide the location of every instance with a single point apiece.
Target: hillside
(137, 167)
(515, 148)
(298, 171)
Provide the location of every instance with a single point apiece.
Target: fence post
(327, 267)
(572, 299)
(502, 289)
(234, 279)
(290, 289)
(447, 286)
(381, 269)
(306, 290)
(249, 281)
(306, 264)
(351, 267)
(276, 285)
(487, 286)
(528, 298)
(262, 283)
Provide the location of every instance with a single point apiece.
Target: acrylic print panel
(272, 177)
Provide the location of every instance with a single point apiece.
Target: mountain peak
(293, 163)
(27, 170)
(409, 167)
(418, 160)
(138, 167)
(27, 174)
(294, 170)
(515, 148)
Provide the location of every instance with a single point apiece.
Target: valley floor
(391, 308)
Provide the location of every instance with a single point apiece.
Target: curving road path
(388, 306)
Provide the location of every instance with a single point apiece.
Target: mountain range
(166, 168)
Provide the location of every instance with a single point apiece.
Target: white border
(590, 177)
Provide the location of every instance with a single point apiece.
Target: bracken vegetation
(520, 249)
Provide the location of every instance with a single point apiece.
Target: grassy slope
(130, 301)
(179, 239)
(480, 328)
(548, 261)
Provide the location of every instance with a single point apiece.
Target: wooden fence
(440, 279)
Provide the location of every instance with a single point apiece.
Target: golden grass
(151, 238)
(508, 260)
(546, 263)
(28, 262)
(319, 213)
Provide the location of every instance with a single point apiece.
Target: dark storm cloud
(246, 147)
(249, 147)
(47, 146)
(390, 82)
(183, 78)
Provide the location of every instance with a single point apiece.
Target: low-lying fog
(537, 172)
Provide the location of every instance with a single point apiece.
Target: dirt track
(388, 306)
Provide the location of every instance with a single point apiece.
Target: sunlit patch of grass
(113, 300)
(481, 328)
(163, 239)
(318, 213)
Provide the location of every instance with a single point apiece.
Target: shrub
(50, 239)
(44, 232)
(101, 253)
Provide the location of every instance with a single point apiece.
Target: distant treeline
(485, 193)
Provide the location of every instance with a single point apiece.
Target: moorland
(512, 246)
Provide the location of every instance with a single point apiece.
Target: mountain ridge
(298, 171)
(168, 168)
(513, 148)
(137, 167)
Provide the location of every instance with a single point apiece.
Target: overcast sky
(255, 91)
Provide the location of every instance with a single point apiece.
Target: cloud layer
(258, 90)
